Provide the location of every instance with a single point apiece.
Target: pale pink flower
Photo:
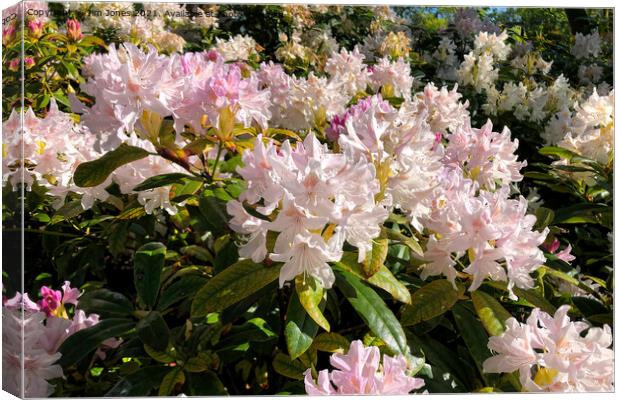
(360, 371)
(556, 349)
(302, 191)
(396, 74)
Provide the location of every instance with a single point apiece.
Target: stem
(217, 159)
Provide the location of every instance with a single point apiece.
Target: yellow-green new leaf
(385, 280)
(376, 257)
(331, 342)
(310, 294)
(491, 313)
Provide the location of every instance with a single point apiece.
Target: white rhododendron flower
(586, 45)
(236, 48)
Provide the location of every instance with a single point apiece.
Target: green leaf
(106, 303)
(140, 383)
(93, 173)
(69, 210)
(310, 294)
(300, 329)
(214, 211)
(132, 213)
(430, 301)
(206, 383)
(558, 152)
(164, 180)
(492, 314)
(376, 257)
(232, 285)
(412, 243)
(185, 287)
(331, 342)
(284, 366)
(153, 331)
(171, 380)
(164, 357)
(148, 263)
(474, 336)
(92, 41)
(371, 308)
(383, 279)
(544, 218)
(534, 298)
(589, 307)
(81, 343)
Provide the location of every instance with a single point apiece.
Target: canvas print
(238, 199)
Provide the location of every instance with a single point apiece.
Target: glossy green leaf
(474, 336)
(535, 298)
(300, 329)
(171, 380)
(431, 300)
(148, 263)
(232, 285)
(140, 383)
(93, 173)
(106, 303)
(153, 331)
(383, 279)
(205, 383)
(331, 342)
(371, 308)
(164, 180)
(81, 343)
(181, 289)
(284, 366)
(410, 242)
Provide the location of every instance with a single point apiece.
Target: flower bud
(8, 34)
(28, 62)
(74, 30)
(35, 27)
(14, 64)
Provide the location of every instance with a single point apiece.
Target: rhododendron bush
(306, 200)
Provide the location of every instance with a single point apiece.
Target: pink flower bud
(8, 34)
(28, 62)
(14, 64)
(74, 30)
(35, 27)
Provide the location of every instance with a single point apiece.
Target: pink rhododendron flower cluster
(44, 149)
(128, 82)
(485, 156)
(314, 199)
(41, 328)
(552, 354)
(362, 371)
(492, 229)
